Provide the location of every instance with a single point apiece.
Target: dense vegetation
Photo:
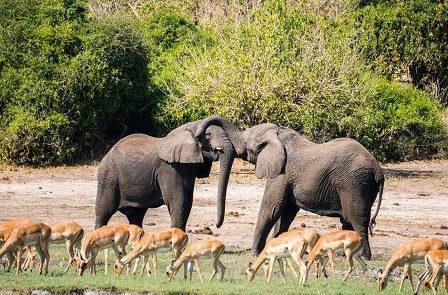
(76, 76)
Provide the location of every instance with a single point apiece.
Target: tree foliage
(75, 75)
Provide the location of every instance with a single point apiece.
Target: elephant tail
(380, 181)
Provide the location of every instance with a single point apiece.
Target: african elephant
(339, 178)
(142, 172)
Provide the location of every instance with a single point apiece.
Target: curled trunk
(232, 132)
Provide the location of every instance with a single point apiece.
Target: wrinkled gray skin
(339, 178)
(142, 172)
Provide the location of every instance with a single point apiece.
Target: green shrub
(303, 71)
(69, 86)
(406, 40)
(399, 122)
(32, 139)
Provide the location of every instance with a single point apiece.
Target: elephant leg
(356, 211)
(287, 217)
(272, 206)
(179, 203)
(361, 226)
(134, 215)
(107, 200)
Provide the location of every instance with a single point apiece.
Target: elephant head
(265, 150)
(204, 141)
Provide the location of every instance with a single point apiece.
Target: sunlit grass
(233, 283)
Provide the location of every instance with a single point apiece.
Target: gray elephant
(339, 178)
(142, 172)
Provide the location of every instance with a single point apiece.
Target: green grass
(234, 283)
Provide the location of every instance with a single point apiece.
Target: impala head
(250, 273)
(118, 268)
(80, 264)
(170, 271)
(381, 282)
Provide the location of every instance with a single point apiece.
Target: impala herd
(288, 249)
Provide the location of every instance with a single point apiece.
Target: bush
(406, 40)
(302, 71)
(30, 139)
(68, 86)
(399, 122)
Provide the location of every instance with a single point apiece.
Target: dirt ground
(415, 203)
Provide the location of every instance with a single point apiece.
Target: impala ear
(180, 145)
(271, 156)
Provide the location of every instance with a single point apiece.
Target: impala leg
(189, 266)
(106, 259)
(215, 268)
(410, 277)
(198, 268)
(71, 253)
(92, 264)
(19, 253)
(282, 269)
(362, 264)
(302, 267)
(271, 266)
(435, 279)
(135, 265)
(323, 266)
(421, 278)
(349, 255)
(403, 276)
(445, 281)
(154, 265)
(291, 266)
(331, 260)
(222, 268)
(41, 256)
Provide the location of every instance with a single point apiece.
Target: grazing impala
(309, 235)
(348, 242)
(195, 251)
(5, 231)
(26, 234)
(109, 236)
(165, 241)
(288, 244)
(436, 262)
(406, 255)
(66, 232)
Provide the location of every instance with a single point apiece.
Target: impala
(406, 255)
(436, 262)
(165, 241)
(5, 231)
(25, 234)
(115, 237)
(192, 254)
(288, 244)
(348, 242)
(69, 233)
(309, 235)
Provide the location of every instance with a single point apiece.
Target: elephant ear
(272, 157)
(180, 146)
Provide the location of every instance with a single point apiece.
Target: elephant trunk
(225, 165)
(232, 132)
